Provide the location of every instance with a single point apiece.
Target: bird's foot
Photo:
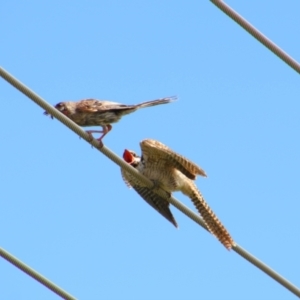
(100, 143)
(91, 137)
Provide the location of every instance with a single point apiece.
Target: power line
(242, 252)
(34, 274)
(257, 34)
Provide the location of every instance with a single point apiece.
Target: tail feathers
(156, 102)
(212, 222)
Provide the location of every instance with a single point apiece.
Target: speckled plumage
(173, 172)
(156, 201)
(92, 112)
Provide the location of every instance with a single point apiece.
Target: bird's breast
(97, 118)
(168, 177)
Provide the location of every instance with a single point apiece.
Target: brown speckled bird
(172, 172)
(156, 201)
(92, 112)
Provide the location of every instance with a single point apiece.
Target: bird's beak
(128, 157)
(47, 114)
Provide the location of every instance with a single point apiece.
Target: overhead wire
(115, 158)
(34, 274)
(257, 34)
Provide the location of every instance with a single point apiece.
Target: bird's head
(63, 107)
(60, 106)
(131, 158)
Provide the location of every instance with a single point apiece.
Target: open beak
(128, 157)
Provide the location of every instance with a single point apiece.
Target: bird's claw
(90, 136)
(100, 143)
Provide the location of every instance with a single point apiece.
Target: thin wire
(53, 287)
(257, 34)
(51, 110)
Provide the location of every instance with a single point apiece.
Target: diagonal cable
(51, 110)
(34, 274)
(257, 34)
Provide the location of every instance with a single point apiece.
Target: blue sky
(65, 210)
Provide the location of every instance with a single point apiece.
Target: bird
(172, 172)
(93, 112)
(159, 203)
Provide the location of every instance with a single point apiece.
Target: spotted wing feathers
(187, 167)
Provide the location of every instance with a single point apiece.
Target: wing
(88, 105)
(151, 148)
(157, 202)
(125, 175)
(94, 105)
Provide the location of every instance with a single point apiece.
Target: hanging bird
(172, 172)
(153, 199)
(91, 112)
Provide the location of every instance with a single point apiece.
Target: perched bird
(92, 112)
(172, 172)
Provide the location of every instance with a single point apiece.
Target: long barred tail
(212, 222)
(156, 102)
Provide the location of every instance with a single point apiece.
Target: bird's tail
(156, 102)
(212, 222)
